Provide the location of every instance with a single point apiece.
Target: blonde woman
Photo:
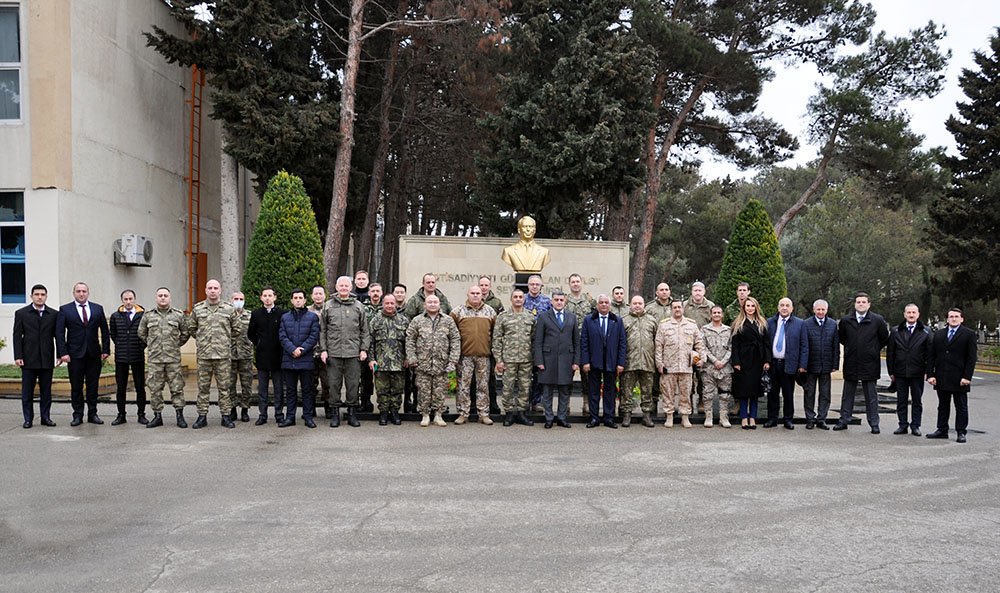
(751, 357)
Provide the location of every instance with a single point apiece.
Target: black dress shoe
(593, 424)
(789, 425)
(610, 424)
(752, 426)
(383, 419)
(200, 422)
(562, 423)
(810, 425)
(901, 430)
(156, 421)
(141, 419)
(915, 431)
(227, 421)
(26, 424)
(245, 415)
(938, 434)
(822, 425)
(840, 426)
(94, 419)
(520, 418)
(286, 423)
(394, 418)
(548, 424)
(47, 422)
(261, 420)
(278, 418)
(119, 419)
(77, 421)
(961, 438)
(770, 424)
(745, 426)
(876, 430)
(309, 423)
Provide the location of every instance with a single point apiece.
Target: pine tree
(753, 256)
(966, 222)
(285, 251)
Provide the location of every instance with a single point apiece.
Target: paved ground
(475, 508)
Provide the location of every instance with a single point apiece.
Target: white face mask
(237, 305)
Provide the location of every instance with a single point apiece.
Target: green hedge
(753, 256)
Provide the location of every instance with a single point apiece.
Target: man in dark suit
(824, 358)
(603, 356)
(83, 341)
(130, 354)
(790, 356)
(863, 334)
(952, 362)
(906, 359)
(263, 333)
(556, 356)
(35, 353)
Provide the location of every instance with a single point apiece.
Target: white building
(95, 132)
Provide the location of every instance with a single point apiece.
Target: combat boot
(724, 419)
(335, 418)
(647, 420)
(462, 419)
(245, 415)
(439, 420)
(227, 420)
(394, 418)
(626, 419)
(708, 417)
(232, 414)
(426, 420)
(200, 422)
(383, 418)
(181, 422)
(485, 419)
(156, 421)
(523, 420)
(669, 422)
(684, 421)
(352, 420)
(508, 420)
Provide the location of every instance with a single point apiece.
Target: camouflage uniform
(389, 353)
(718, 382)
(701, 315)
(620, 309)
(493, 301)
(732, 311)
(434, 347)
(676, 342)
(657, 311)
(242, 361)
(640, 331)
(581, 306)
(319, 369)
(367, 375)
(537, 305)
(164, 331)
(214, 327)
(475, 326)
(415, 304)
(512, 336)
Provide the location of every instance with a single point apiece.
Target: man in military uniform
(415, 304)
(344, 340)
(433, 347)
(475, 326)
(734, 308)
(535, 303)
(698, 309)
(717, 373)
(372, 308)
(241, 366)
(409, 386)
(388, 359)
(213, 325)
(318, 297)
(512, 336)
(678, 347)
(618, 305)
(581, 304)
(659, 309)
(164, 330)
(640, 366)
(486, 285)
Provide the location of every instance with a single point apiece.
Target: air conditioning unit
(133, 250)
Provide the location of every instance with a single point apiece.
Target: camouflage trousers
(480, 367)
(629, 381)
(389, 387)
(219, 368)
(160, 374)
(717, 385)
(242, 370)
(431, 389)
(516, 386)
(676, 387)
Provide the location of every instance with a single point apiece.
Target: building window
(10, 62)
(12, 284)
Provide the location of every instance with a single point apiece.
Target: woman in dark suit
(751, 357)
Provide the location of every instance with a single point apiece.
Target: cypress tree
(753, 256)
(285, 249)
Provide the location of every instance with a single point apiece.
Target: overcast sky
(968, 23)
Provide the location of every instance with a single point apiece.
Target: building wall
(127, 128)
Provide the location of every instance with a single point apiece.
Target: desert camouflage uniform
(214, 327)
(676, 342)
(718, 382)
(434, 346)
(640, 368)
(164, 331)
(388, 335)
(512, 337)
(242, 361)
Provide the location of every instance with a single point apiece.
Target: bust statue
(526, 255)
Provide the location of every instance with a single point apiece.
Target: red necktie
(83, 309)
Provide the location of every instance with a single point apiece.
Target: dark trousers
(909, 388)
(602, 387)
(29, 377)
(871, 401)
(138, 381)
(275, 378)
(748, 408)
(563, 410)
(961, 410)
(409, 391)
(292, 378)
(822, 380)
(84, 371)
(535, 395)
(367, 384)
(782, 385)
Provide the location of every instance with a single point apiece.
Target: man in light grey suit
(557, 356)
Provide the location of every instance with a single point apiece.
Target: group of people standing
(681, 354)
